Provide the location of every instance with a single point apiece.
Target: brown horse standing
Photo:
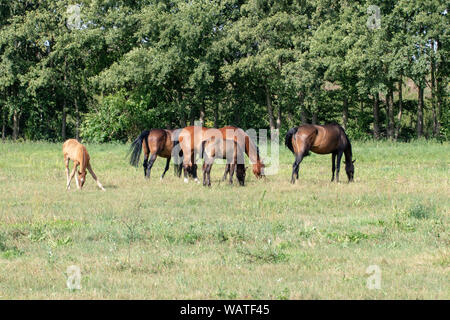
(75, 151)
(246, 143)
(225, 149)
(191, 139)
(155, 142)
(330, 138)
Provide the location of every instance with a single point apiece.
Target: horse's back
(74, 150)
(329, 139)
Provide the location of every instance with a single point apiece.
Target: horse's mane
(83, 159)
(288, 138)
(253, 145)
(349, 144)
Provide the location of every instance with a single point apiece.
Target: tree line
(104, 70)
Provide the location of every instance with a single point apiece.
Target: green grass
(268, 240)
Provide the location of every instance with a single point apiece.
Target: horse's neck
(84, 159)
(251, 150)
(348, 153)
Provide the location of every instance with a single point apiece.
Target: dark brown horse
(246, 143)
(223, 149)
(156, 142)
(330, 138)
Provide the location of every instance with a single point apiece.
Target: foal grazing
(330, 138)
(225, 149)
(75, 151)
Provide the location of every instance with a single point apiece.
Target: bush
(117, 118)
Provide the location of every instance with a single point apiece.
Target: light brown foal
(75, 151)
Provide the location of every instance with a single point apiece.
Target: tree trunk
(303, 114)
(3, 125)
(64, 115)
(202, 112)
(433, 98)
(270, 109)
(64, 118)
(439, 92)
(345, 113)
(390, 112)
(400, 108)
(237, 114)
(216, 116)
(420, 112)
(77, 120)
(16, 119)
(279, 118)
(376, 118)
(181, 109)
(314, 117)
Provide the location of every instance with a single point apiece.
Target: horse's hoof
(196, 180)
(186, 180)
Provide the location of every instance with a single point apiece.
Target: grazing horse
(190, 139)
(225, 149)
(75, 151)
(246, 143)
(330, 138)
(155, 142)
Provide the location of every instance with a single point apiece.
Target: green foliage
(117, 118)
(135, 65)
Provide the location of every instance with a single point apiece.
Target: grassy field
(268, 240)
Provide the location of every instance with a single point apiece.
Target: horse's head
(81, 178)
(240, 173)
(258, 169)
(350, 169)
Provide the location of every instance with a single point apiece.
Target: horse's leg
(232, 169)
(187, 162)
(227, 170)
(194, 172)
(204, 172)
(296, 167)
(66, 162)
(76, 179)
(208, 170)
(185, 171)
(333, 165)
(150, 164)
(166, 168)
(75, 165)
(180, 170)
(338, 164)
(145, 164)
(95, 177)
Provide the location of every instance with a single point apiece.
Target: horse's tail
(288, 138)
(136, 147)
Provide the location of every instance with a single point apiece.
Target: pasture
(268, 240)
